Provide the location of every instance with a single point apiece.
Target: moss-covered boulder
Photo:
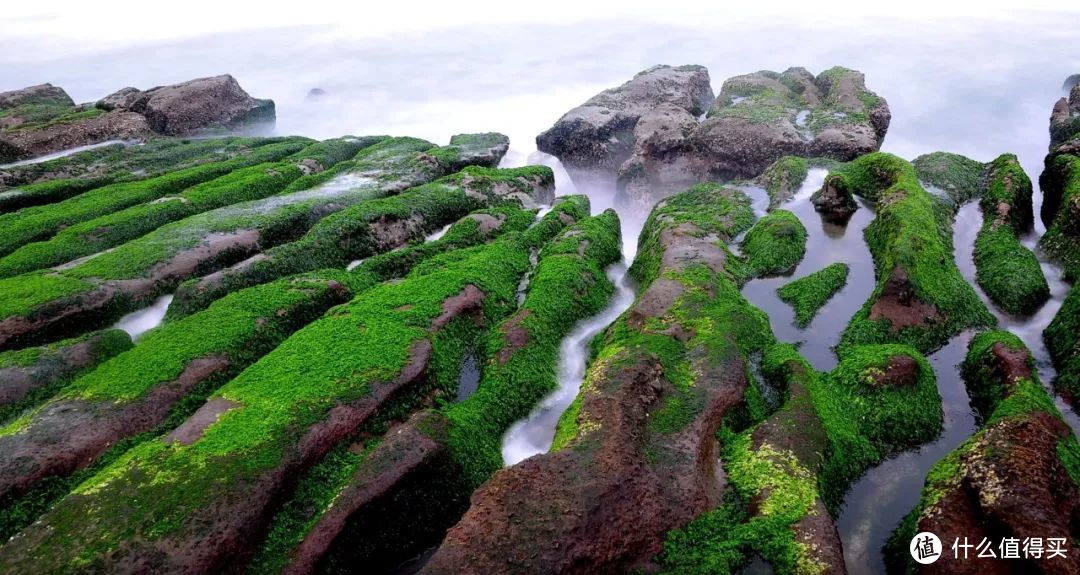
(206, 491)
(46, 304)
(137, 390)
(783, 178)
(1018, 477)
(774, 246)
(788, 473)
(809, 293)
(417, 480)
(634, 454)
(60, 178)
(920, 298)
(375, 226)
(245, 184)
(958, 177)
(32, 374)
(1007, 271)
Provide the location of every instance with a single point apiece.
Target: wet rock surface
(660, 145)
(43, 119)
(600, 132)
(604, 497)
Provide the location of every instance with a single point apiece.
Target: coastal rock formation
(600, 132)
(759, 117)
(635, 454)
(189, 107)
(1013, 479)
(43, 119)
(1065, 117)
(656, 141)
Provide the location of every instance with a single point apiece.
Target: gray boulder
(203, 104)
(41, 95)
(43, 119)
(600, 132)
(650, 131)
(1065, 118)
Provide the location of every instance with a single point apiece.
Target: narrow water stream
(139, 322)
(535, 433)
(65, 153)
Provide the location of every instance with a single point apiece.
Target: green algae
(862, 424)
(38, 222)
(910, 240)
(958, 176)
(809, 293)
(773, 246)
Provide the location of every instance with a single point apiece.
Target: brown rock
(1010, 482)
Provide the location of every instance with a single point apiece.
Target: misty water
(139, 322)
(979, 86)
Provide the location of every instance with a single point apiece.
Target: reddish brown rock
(1010, 482)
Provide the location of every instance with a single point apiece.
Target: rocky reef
(651, 132)
(1017, 477)
(276, 354)
(43, 119)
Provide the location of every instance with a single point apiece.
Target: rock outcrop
(43, 119)
(635, 456)
(1012, 479)
(600, 132)
(189, 107)
(1065, 118)
(650, 131)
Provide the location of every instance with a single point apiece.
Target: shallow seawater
(826, 243)
(139, 322)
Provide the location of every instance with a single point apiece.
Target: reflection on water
(826, 243)
(881, 498)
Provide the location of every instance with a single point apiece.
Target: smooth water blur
(974, 86)
(139, 322)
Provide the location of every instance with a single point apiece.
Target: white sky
(50, 29)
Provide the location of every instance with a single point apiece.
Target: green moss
(809, 293)
(22, 295)
(782, 179)
(340, 359)
(958, 176)
(1060, 183)
(113, 229)
(709, 208)
(783, 481)
(774, 246)
(515, 379)
(350, 234)
(995, 399)
(40, 222)
(50, 369)
(1062, 338)
(910, 234)
(1008, 272)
